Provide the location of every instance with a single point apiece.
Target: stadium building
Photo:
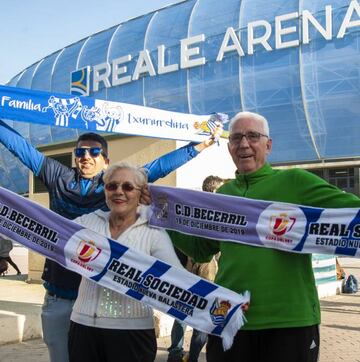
(295, 62)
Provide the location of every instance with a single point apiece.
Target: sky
(33, 29)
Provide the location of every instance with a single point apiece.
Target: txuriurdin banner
(68, 111)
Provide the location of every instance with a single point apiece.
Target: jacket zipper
(246, 186)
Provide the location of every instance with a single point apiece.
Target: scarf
(201, 304)
(278, 225)
(85, 113)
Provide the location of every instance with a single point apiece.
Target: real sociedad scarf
(277, 225)
(26, 105)
(185, 296)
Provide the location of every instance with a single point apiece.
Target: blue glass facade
(309, 92)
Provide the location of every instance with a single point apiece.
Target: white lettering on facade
(347, 22)
(144, 65)
(309, 18)
(118, 70)
(280, 31)
(101, 74)
(263, 39)
(162, 68)
(290, 30)
(188, 53)
(226, 47)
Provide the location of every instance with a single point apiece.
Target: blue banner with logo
(278, 225)
(68, 111)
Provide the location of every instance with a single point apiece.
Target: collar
(96, 179)
(254, 177)
(143, 213)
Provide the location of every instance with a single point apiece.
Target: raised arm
(169, 162)
(20, 148)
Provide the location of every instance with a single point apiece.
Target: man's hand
(214, 137)
(245, 307)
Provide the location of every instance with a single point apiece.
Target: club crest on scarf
(162, 202)
(87, 251)
(281, 224)
(219, 311)
(206, 127)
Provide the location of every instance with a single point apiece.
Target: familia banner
(52, 109)
(181, 294)
(277, 225)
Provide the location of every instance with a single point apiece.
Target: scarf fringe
(235, 323)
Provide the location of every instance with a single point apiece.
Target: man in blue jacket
(74, 192)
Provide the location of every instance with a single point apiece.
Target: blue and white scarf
(26, 105)
(201, 304)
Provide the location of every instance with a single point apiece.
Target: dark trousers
(90, 344)
(11, 262)
(268, 345)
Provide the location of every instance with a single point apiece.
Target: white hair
(139, 172)
(251, 115)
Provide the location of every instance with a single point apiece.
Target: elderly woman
(107, 326)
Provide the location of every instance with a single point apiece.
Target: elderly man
(284, 315)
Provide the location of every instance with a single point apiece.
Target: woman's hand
(145, 197)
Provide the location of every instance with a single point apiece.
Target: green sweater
(282, 285)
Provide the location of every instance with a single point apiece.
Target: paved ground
(340, 328)
(340, 331)
(35, 351)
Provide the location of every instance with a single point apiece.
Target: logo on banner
(87, 251)
(83, 253)
(281, 224)
(219, 311)
(80, 82)
(104, 116)
(64, 109)
(202, 127)
(162, 207)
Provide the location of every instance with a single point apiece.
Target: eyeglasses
(92, 151)
(251, 136)
(125, 186)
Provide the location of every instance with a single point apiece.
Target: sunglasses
(125, 186)
(92, 151)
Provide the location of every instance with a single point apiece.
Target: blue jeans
(198, 341)
(177, 339)
(55, 318)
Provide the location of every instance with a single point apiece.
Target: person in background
(204, 270)
(176, 350)
(284, 315)
(107, 326)
(74, 192)
(6, 246)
